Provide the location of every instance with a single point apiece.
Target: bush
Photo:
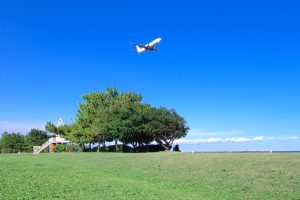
(128, 149)
(86, 149)
(72, 148)
(66, 148)
(176, 148)
(112, 148)
(7, 151)
(150, 148)
(59, 148)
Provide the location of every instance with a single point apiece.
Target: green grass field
(165, 175)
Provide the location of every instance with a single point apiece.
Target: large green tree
(135, 124)
(35, 137)
(116, 119)
(90, 114)
(100, 116)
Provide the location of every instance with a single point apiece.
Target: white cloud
(258, 138)
(285, 138)
(213, 140)
(23, 127)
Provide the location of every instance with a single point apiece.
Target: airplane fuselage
(153, 43)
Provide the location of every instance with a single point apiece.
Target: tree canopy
(111, 115)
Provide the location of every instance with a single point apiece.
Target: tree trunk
(104, 146)
(134, 146)
(98, 149)
(166, 146)
(171, 144)
(116, 145)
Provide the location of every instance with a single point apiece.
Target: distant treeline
(113, 116)
(16, 142)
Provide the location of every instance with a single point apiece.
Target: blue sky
(231, 68)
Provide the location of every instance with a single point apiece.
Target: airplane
(141, 48)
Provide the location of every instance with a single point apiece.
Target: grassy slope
(150, 176)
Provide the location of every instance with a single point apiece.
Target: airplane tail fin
(139, 49)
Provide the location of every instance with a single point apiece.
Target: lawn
(166, 175)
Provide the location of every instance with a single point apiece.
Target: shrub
(7, 151)
(176, 148)
(59, 148)
(150, 148)
(72, 148)
(112, 148)
(66, 148)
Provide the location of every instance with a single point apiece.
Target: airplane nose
(159, 39)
